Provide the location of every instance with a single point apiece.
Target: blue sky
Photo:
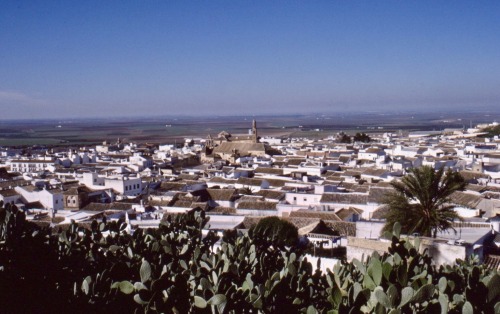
(104, 58)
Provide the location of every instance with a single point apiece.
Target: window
(294, 198)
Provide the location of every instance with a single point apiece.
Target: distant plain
(170, 130)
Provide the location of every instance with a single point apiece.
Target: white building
(130, 186)
(49, 198)
(124, 185)
(30, 165)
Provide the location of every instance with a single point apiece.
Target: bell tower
(254, 131)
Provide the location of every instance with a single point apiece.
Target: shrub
(173, 269)
(276, 231)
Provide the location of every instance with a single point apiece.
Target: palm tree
(245, 191)
(421, 201)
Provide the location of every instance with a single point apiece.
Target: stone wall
(369, 229)
(325, 263)
(358, 247)
(441, 252)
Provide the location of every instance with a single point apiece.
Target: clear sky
(104, 58)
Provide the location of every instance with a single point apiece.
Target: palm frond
(420, 201)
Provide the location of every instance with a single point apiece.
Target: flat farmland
(166, 130)
(91, 132)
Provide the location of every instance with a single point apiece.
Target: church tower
(209, 141)
(254, 131)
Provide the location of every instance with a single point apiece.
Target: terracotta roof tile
(222, 194)
(223, 210)
(346, 212)
(275, 171)
(326, 216)
(249, 181)
(344, 198)
(8, 193)
(257, 205)
(377, 195)
(271, 194)
(466, 199)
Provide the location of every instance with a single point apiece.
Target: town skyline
(92, 59)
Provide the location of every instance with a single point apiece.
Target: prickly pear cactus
(177, 269)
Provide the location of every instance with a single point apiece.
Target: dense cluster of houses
(326, 188)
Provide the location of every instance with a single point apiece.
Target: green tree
(245, 191)
(343, 138)
(421, 201)
(276, 231)
(172, 269)
(361, 137)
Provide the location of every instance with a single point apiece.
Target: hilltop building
(230, 148)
